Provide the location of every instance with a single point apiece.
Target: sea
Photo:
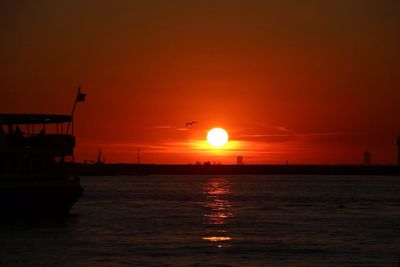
(216, 221)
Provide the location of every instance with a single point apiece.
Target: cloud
(268, 134)
(280, 129)
(268, 138)
(282, 134)
(169, 127)
(163, 127)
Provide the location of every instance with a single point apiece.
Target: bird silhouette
(191, 123)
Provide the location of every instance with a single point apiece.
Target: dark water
(216, 221)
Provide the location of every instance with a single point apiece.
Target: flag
(80, 97)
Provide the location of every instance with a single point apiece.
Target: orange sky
(305, 82)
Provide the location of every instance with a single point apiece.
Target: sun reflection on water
(218, 207)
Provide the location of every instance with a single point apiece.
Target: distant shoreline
(174, 169)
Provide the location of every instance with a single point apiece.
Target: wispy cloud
(169, 127)
(332, 134)
(280, 129)
(266, 133)
(163, 127)
(282, 134)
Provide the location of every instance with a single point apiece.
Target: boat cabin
(33, 144)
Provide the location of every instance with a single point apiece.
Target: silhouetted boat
(32, 178)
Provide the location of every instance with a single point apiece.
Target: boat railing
(56, 144)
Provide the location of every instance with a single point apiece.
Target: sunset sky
(299, 81)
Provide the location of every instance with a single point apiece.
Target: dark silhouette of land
(164, 169)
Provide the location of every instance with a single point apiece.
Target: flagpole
(76, 101)
(73, 111)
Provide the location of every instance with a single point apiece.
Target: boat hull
(38, 200)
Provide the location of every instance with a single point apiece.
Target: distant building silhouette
(239, 160)
(367, 158)
(398, 151)
(99, 160)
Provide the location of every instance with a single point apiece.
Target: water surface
(216, 221)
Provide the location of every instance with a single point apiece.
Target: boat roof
(7, 119)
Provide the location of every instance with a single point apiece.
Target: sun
(217, 137)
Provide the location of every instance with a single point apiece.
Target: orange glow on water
(217, 238)
(219, 211)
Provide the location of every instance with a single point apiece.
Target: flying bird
(191, 123)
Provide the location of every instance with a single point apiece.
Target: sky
(291, 81)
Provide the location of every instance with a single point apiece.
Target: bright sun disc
(217, 137)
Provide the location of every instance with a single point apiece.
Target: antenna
(98, 161)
